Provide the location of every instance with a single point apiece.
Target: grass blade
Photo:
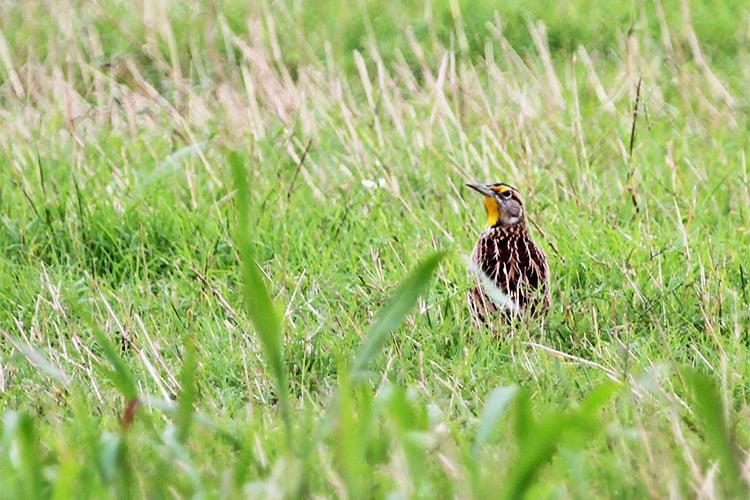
(497, 403)
(392, 314)
(28, 452)
(536, 456)
(409, 425)
(709, 410)
(389, 318)
(257, 297)
(115, 465)
(187, 394)
(120, 375)
(350, 443)
(537, 443)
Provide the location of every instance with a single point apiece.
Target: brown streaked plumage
(511, 271)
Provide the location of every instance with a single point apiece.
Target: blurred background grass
(358, 127)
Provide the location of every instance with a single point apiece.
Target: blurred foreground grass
(131, 363)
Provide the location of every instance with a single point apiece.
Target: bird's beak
(482, 188)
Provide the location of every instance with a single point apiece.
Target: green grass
(234, 239)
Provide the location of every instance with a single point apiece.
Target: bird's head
(502, 202)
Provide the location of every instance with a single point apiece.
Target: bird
(511, 272)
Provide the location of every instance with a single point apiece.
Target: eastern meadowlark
(511, 271)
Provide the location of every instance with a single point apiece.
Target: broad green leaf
(539, 441)
(535, 452)
(408, 426)
(388, 318)
(496, 405)
(114, 464)
(120, 375)
(709, 410)
(393, 313)
(598, 397)
(350, 445)
(257, 297)
(28, 452)
(525, 428)
(187, 392)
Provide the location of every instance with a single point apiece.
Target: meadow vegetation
(234, 239)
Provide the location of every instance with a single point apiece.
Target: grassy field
(234, 241)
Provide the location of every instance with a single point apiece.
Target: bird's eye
(506, 194)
